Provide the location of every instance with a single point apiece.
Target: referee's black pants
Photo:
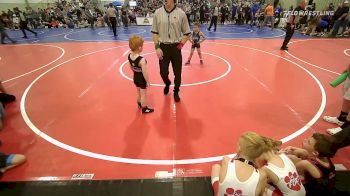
(173, 55)
(289, 35)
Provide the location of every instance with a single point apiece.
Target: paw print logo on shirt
(232, 192)
(293, 181)
(277, 192)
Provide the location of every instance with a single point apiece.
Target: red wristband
(179, 46)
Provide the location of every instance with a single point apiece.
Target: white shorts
(346, 89)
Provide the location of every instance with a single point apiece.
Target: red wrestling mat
(82, 104)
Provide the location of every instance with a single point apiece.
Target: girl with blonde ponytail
(280, 170)
(238, 176)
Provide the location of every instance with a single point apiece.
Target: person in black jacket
(340, 18)
(3, 33)
(23, 24)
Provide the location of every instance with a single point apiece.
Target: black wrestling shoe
(139, 104)
(147, 110)
(177, 97)
(166, 89)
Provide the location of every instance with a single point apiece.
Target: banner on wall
(144, 20)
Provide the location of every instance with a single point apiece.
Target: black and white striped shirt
(170, 26)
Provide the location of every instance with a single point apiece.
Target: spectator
(269, 16)
(125, 16)
(100, 21)
(314, 163)
(112, 15)
(10, 161)
(224, 11)
(214, 17)
(340, 18)
(90, 17)
(233, 11)
(3, 33)
(24, 24)
(342, 138)
(343, 120)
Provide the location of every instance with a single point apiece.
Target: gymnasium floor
(76, 111)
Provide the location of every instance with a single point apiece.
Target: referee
(170, 32)
(112, 16)
(292, 20)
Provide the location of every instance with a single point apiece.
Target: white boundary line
(94, 40)
(346, 52)
(39, 33)
(37, 69)
(126, 52)
(248, 38)
(37, 39)
(101, 32)
(246, 28)
(229, 68)
(159, 162)
(323, 93)
(313, 65)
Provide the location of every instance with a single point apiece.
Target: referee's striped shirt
(170, 26)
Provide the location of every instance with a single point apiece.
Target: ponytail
(271, 144)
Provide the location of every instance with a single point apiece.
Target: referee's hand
(159, 53)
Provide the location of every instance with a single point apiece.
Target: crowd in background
(78, 14)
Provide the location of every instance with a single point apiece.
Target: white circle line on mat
(101, 32)
(160, 162)
(346, 52)
(311, 64)
(39, 68)
(229, 68)
(251, 38)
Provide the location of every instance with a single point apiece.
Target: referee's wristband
(157, 45)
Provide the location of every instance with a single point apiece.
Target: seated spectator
(346, 33)
(100, 21)
(312, 25)
(238, 176)
(10, 161)
(54, 23)
(69, 22)
(313, 162)
(5, 97)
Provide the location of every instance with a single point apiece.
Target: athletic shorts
(346, 89)
(196, 46)
(140, 81)
(6, 160)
